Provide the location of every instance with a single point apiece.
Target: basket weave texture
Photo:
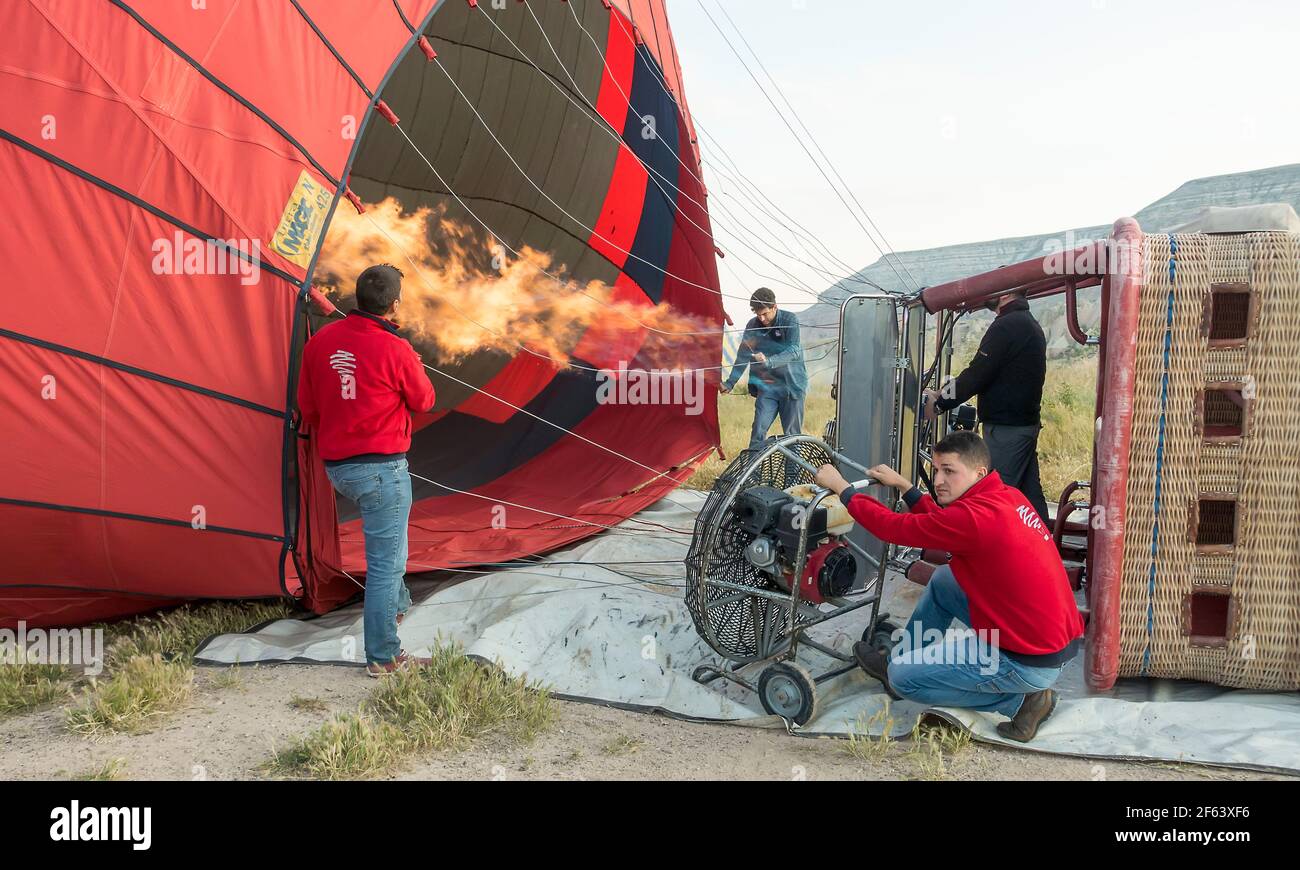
(1184, 482)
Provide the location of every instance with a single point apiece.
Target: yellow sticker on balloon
(302, 221)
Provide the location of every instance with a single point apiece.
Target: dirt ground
(230, 731)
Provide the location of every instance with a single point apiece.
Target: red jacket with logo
(1002, 557)
(359, 385)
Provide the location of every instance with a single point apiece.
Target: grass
(930, 751)
(1064, 446)
(173, 634)
(149, 666)
(448, 705)
(623, 745)
(28, 686)
(177, 633)
(307, 705)
(861, 745)
(111, 770)
(933, 746)
(228, 678)
(138, 693)
(352, 746)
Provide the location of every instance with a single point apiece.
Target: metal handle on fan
(838, 456)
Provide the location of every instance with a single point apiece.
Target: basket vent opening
(1225, 413)
(1208, 618)
(1216, 522)
(1229, 314)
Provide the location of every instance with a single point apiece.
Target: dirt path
(229, 731)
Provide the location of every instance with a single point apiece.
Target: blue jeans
(766, 408)
(383, 492)
(960, 670)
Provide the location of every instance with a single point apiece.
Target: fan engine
(773, 517)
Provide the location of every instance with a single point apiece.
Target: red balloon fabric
(172, 173)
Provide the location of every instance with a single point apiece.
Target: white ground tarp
(604, 621)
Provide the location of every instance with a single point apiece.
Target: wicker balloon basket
(1210, 586)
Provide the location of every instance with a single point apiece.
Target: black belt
(1046, 660)
(365, 457)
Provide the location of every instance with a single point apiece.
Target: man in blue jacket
(778, 381)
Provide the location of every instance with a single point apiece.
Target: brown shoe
(383, 669)
(1033, 712)
(876, 664)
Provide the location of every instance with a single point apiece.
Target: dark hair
(762, 298)
(378, 288)
(968, 446)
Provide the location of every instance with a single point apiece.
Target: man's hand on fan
(829, 477)
(889, 477)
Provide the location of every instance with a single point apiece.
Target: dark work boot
(1033, 712)
(876, 664)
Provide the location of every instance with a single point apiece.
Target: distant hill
(939, 265)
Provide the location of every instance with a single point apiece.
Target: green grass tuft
(130, 701)
(228, 678)
(177, 633)
(933, 746)
(307, 705)
(149, 664)
(351, 746)
(27, 686)
(447, 705)
(864, 747)
(111, 770)
(623, 745)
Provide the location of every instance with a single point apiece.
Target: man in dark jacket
(778, 380)
(1007, 374)
(360, 383)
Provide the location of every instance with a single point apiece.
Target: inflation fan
(770, 559)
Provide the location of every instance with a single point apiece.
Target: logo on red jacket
(1031, 520)
(345, 364)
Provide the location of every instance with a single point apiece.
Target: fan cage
(741, 627)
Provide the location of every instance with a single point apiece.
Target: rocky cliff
(938, 265)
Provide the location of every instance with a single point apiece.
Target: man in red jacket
(1005, 583)
(360, 383)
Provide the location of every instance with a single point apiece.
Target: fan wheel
(788, 691)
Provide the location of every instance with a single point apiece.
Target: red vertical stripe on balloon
(616, 81)
(517, 383)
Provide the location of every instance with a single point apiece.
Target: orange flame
(463, 292)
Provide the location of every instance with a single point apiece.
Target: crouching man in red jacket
(359, 386)
(1005, 583)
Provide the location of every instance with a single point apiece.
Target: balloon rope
(838, 266)
(653, 174)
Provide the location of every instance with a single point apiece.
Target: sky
(958, 122)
